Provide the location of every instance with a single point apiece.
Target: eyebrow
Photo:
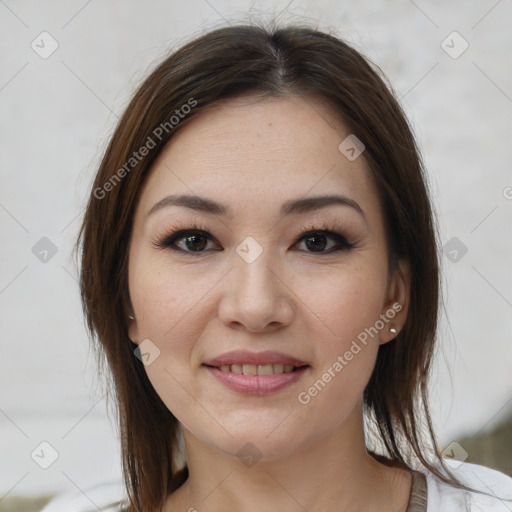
(293, 206)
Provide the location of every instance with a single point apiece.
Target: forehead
(252, 152)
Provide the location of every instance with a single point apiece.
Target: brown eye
(195, 242)
(191, 241)
(318, 242)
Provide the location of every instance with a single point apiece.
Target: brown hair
(277, 62)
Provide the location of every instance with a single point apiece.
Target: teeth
(261, 369)
(250, 369)
(265, 369)
(235, 368)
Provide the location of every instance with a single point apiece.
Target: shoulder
(107, 497)
(442, 497)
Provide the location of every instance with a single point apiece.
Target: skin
(253, 155)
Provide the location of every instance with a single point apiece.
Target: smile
(257, 379)
(260, 369)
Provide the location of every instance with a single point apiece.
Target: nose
(257, 296)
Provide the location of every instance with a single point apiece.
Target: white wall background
(56, 114)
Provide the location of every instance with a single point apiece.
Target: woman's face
(252, 330)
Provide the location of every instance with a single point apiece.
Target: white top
(441, 497)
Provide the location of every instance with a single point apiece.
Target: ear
(133, 329)
(396, 303)
(131, 319)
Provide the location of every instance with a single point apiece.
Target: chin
(247, 442)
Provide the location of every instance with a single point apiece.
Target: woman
(260, 268)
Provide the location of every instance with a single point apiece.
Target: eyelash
(178, 233)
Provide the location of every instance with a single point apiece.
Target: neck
(334, 473)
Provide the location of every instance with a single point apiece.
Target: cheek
(346, 301)
(345, 347)
(164, 302)
(348, 304)
(170, 307)
(164, 296)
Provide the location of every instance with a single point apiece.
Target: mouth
(256, 373)
(258, 369)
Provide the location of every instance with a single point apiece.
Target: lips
(260, 369)
(244, 357)
(256, 373)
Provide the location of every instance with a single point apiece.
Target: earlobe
(397, 302)
(133, 331)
